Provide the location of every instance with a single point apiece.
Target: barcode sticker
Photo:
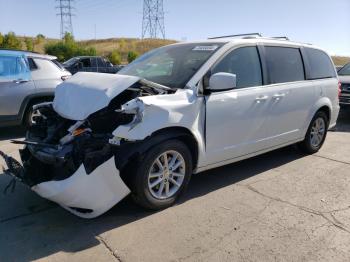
(205, 48)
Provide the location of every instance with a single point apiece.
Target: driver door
(235, 119)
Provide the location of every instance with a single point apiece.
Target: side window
(32, 65)
(13, 67)
(86, 62)
(320, 64)
(100, 62)
(245, 63)
(93, 62)
(284, 64)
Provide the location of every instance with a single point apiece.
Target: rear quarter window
(32, 64)
(320, 65)
(58, 64)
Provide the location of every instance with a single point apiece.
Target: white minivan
(177, 110)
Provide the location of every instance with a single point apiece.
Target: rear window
(345, 70)
(320, 64)
(58, 64)
(284, 64)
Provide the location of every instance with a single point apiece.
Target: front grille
(344, 100)
(345, 88)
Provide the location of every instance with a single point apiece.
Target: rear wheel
(162, 175)
(316, 134)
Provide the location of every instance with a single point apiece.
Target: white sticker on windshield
(205, 48)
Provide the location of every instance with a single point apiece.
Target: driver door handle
(19, 81)
(261, 98)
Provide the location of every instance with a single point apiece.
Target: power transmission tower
(65, 12)
(153, 19)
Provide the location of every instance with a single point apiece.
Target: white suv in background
(177, 110)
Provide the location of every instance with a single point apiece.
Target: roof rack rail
(239, 35)
(280, 37)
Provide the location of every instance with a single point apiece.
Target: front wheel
(162, 175)
(316, 134)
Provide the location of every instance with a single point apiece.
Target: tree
(68, 48)
(132, 56)
(29, 44)
(40, 36)
(1, 40)
(11, 41)
(115, 57)
(68, 38)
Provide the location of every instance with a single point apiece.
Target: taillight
(339, 89)
(64, 77)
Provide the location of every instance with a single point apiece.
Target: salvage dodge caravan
(177, 110)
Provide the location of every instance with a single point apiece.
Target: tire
(28, 116)
(149, 173)
(27, 120)
(314, 138)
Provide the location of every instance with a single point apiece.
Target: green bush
(132, 56)
(10, 41)
(115, 57)
(29, 44)
(68, 48)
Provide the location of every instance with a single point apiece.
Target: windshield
(345, 70)
(70, 61)
(173, 65)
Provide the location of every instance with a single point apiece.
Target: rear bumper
(334, 116)
(87, 195)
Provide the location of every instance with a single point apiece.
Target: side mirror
(222, 81)
(80, 65)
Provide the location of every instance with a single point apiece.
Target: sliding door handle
(279, 96)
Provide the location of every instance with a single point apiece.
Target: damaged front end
(70, 155)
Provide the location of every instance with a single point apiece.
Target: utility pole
(65, 12)
(153, 19)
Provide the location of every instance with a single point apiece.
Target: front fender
(182, 109)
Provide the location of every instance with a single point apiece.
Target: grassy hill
(124, 45)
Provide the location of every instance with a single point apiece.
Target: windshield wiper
(158, 87)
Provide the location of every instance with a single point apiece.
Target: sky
(325, 23)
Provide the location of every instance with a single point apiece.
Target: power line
(153, 19)
(65, 12)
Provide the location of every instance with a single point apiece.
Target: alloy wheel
(318, 131)
(166, 174)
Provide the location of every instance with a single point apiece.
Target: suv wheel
(162, 175)
(316, 134)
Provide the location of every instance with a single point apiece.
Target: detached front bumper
(85, 195)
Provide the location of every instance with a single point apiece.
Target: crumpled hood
(85, 93)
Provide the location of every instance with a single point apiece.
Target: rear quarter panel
(47, 76)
